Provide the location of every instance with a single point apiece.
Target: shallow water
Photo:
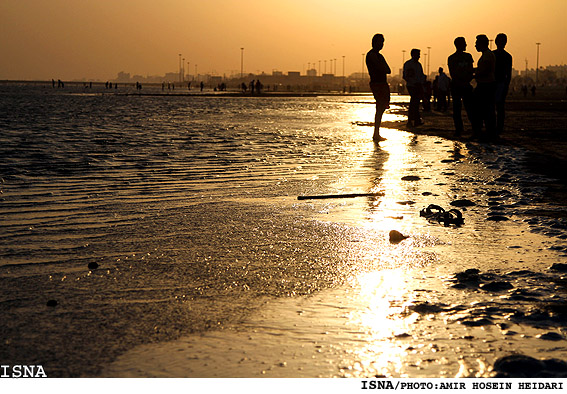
(189, 206)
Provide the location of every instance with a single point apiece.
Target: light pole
(362, 69)
(344, 87)
(526, 73)
(241, 62)
(428, 60)
(537, 63)
(180, 68)
(183, 71)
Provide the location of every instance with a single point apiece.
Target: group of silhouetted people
(493, 75)
(255, 86)
(484, 104)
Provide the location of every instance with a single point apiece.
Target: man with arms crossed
(378, 70)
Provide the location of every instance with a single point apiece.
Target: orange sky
(95, 39)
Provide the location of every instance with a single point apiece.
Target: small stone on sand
(411, 178)
(463, 203)
(397, 237)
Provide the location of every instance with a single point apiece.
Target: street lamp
(180, 68)
(428, 60)
(241, 62)
(344, 80)
(362, 69)
(537, 63)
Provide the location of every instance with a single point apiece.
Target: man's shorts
(381, 92)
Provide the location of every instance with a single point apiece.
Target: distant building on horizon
(123, 77)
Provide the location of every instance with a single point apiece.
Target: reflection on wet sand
(404, 312)
(204, 248)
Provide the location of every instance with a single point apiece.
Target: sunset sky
(96, 39)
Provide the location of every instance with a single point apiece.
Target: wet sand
(537, 124)
(493, 310)
(270, 286)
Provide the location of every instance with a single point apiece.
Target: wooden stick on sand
(348, 195)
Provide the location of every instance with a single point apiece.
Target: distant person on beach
(443, 86)
(252, 85)
(202, 85)
(484, 93)
(259, 86)
(461, 69)
(414, 77)
(378, 70)
(503, 75)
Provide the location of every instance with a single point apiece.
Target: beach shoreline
(184, 261)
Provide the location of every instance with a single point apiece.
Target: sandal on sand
(438, 214)
(431, 211)
(453, 216)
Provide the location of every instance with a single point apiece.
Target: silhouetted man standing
(443, 86)
(503, 75)
(378, 70)
(414, 77)
(484, 93)
(461, 69)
